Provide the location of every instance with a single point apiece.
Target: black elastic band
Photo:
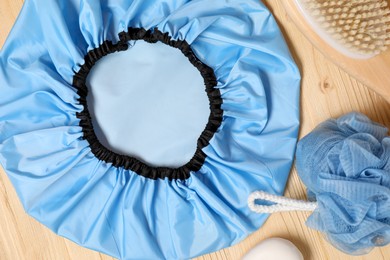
(128, 162)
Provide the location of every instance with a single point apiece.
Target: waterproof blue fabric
(345, 164)
(116, 211)
(146, 127)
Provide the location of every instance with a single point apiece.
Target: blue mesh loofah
(345, 165)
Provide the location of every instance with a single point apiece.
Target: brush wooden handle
(374, 72)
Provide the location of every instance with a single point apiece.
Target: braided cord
(281, 203)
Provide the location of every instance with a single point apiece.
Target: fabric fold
(108, 206)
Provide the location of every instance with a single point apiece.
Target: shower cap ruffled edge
(44, 154)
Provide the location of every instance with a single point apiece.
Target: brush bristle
(362, 26)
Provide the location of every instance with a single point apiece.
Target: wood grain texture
(327, 92)
(372, 72)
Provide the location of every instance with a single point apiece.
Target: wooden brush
(354, 34)
(356, 28)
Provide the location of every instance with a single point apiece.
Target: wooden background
(327, 92)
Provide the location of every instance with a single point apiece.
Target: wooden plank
(373, 72)
(327, 92)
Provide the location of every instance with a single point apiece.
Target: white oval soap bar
(274, 249)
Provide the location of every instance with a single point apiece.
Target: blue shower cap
(345, 165)
(117, 204)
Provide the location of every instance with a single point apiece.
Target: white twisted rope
(282, 203)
